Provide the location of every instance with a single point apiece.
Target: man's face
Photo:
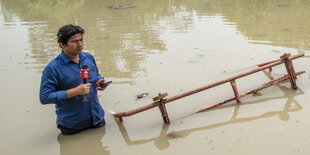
(74, 45)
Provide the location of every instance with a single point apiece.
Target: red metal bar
(134, 111)
(266, 63)
(234, 87)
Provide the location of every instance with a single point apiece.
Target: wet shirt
(62, 74)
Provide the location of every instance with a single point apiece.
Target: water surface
(156, 47)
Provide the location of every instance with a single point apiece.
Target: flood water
(156, 47)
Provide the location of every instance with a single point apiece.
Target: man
(61, 84)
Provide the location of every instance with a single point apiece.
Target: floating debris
(256, 94)
(120, 6)
(142, 95)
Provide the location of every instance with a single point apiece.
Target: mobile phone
(106, 84)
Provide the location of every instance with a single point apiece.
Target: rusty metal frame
(160, 100)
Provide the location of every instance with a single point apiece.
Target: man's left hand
(99, 82)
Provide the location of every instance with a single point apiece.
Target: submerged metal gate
(160, 100)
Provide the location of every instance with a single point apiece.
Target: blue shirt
(62, 74)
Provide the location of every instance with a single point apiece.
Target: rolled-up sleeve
(48, 88)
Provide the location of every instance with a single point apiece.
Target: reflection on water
(161, 142)
(122, 38)
(87, 142)
(283, 114)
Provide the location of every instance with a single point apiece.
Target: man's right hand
(83, 89)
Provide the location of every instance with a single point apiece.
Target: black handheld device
(106, 84)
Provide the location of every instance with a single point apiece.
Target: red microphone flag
(84, 74)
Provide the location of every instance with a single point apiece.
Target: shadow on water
(86, 142)
(291, 105)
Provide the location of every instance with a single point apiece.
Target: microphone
(85, 74)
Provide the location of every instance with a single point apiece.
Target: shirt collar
(66, 59)
(82, 56)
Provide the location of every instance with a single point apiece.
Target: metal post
(292, 68)
(290, 72)
(234, 87)
(162, 107)
(163, 111)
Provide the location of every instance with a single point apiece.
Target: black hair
(66, 31)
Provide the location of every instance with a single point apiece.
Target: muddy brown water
(156, 47)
